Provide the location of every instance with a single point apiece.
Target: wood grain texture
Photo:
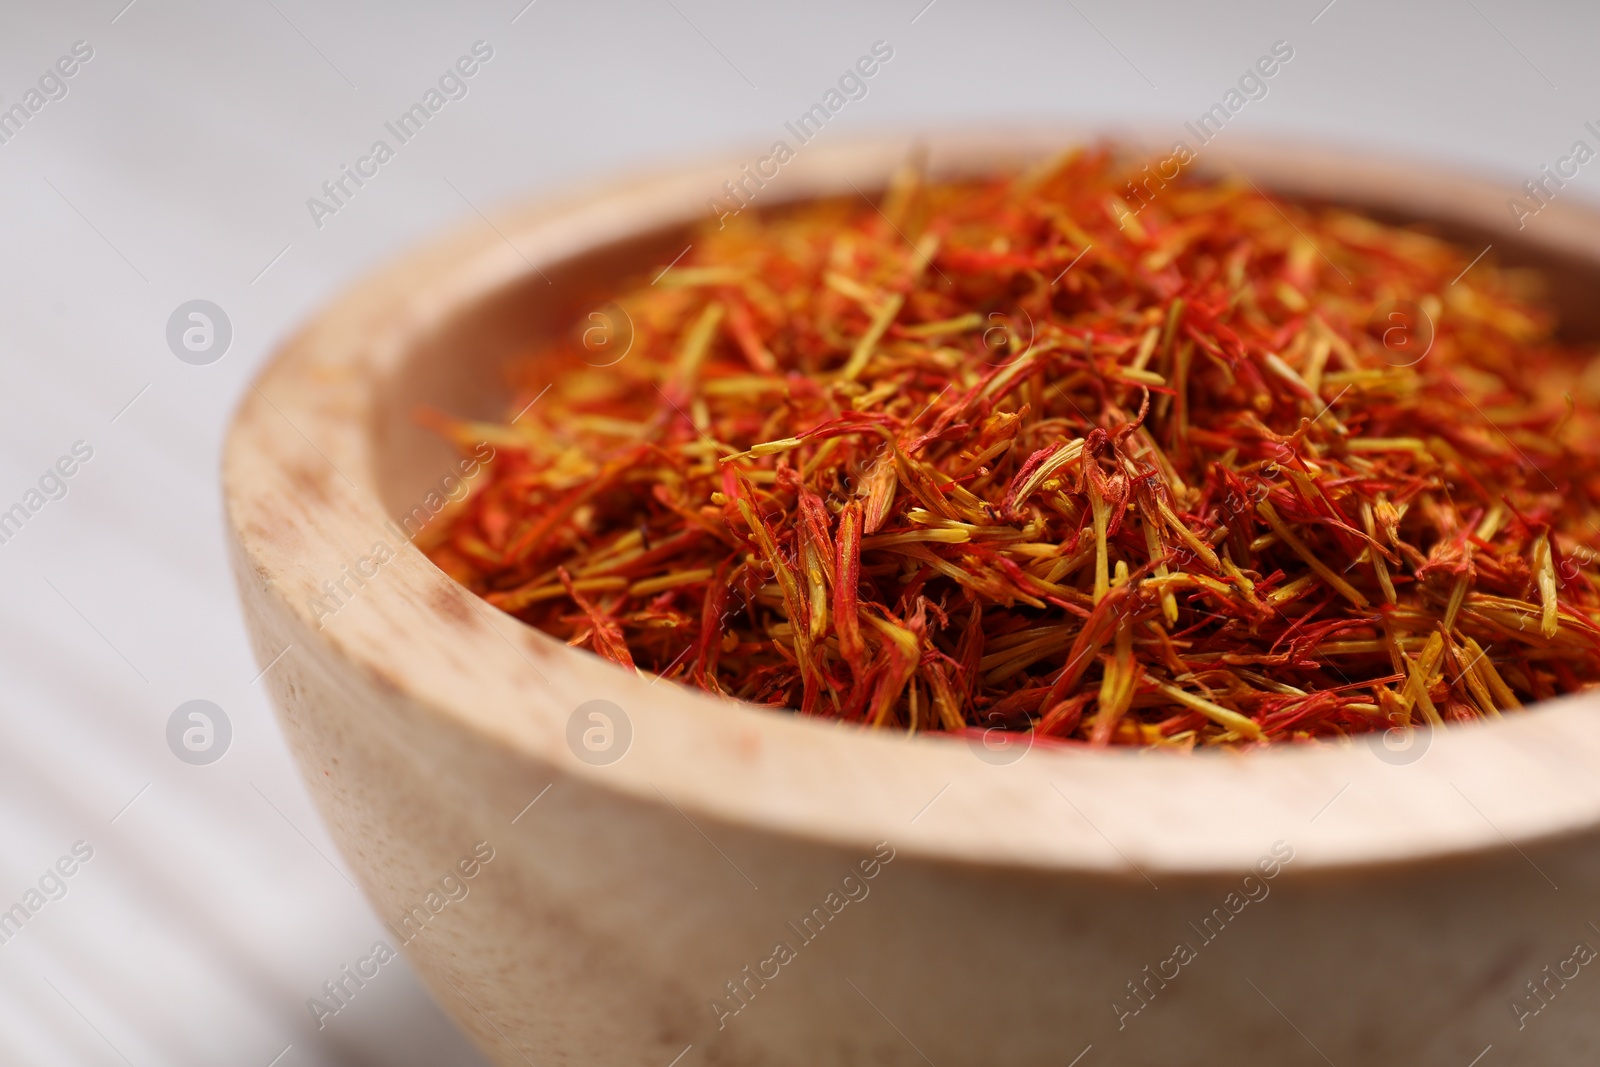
(1022, 898)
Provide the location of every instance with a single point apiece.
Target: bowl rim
(301, 492)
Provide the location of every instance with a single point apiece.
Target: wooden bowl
(686, 877)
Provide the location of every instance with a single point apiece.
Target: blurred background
(174, 164)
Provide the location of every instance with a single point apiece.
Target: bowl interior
(459, 366)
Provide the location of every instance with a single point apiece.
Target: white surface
(178, 166)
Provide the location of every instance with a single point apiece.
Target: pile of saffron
(1010, 453)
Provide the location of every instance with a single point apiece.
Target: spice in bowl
(1224, 469)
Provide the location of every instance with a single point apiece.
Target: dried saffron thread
(986, 458)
